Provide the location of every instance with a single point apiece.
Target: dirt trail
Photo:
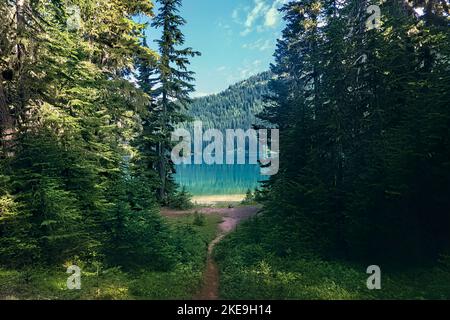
(231, 218)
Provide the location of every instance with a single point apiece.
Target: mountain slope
(234, 107)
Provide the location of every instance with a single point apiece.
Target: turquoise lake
(218, 179)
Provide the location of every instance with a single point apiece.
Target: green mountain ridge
(234, 108)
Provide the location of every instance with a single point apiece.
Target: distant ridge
(235, 107)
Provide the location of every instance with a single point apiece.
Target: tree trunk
(165, 58)
(162, 171)
(6, 122)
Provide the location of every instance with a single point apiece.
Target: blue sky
(236, 38)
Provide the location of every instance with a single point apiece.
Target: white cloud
(245, 32)
(246, 70)
(250, 69)
(260, 44)
(224, 25)
(258, 10)
(260, 28)
(199, 94)
(271, 17)
(263, 15)
(226, 30)
(235, 14)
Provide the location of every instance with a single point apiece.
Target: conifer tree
(173, 83)
(357, 134)
(74, 113)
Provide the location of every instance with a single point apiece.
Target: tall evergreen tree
(63, 185)
(173, 83)
(146, 161)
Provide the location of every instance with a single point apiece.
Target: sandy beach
(214, 199)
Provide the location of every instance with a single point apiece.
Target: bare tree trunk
(6, 122)
(8, 118)
(20, 55)
(5, 116)
(162, 150)
(165, 101)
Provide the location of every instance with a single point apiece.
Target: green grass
(250, 271)
(316, 279)
(51, 284)
(207, 232)
(114, 284)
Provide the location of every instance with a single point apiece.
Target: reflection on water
(218, 179)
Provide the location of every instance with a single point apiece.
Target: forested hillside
(235, 107)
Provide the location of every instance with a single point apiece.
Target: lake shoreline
(216, 199)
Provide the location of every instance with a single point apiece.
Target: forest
(236, 107)
(364, 177)
(87, 109)
(85, 160)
